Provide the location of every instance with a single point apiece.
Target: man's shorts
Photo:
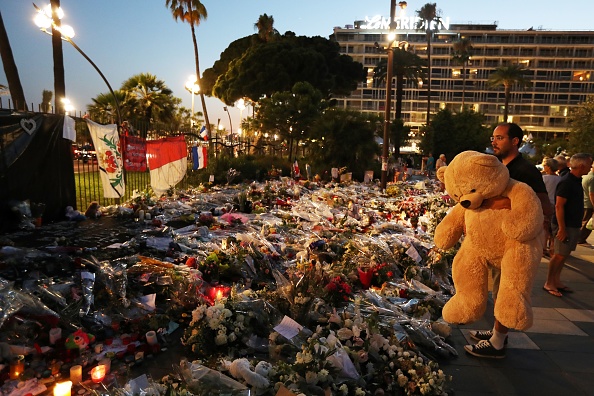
(564, 248)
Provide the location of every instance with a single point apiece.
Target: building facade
(559, 68)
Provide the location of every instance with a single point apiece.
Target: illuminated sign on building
(378, 22)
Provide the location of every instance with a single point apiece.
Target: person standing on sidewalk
(588, 186)
(506, 141)
(569, 211)
(551, 179)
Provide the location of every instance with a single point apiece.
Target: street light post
(192, 87)
(388, 104)
(44, 21)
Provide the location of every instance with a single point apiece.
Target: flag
(204, 133)
(168, 162)
(69, 130)
(134, 150)
(199, 157)
(109, 157)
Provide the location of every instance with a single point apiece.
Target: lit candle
(76, 374)
(17, 366)
(98, 373)
(63, 388)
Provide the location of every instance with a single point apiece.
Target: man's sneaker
(485, 349)
(480, 335)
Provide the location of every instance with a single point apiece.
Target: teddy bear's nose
(465, 203)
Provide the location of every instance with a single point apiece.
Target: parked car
(87, 152)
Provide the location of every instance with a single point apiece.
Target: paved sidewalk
(554, 357)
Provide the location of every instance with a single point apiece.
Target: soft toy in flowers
(79, 340)
(508, 237)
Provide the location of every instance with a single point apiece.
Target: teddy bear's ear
(441, 173)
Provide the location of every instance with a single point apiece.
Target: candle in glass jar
(63, 388)
(151, 337)
(98, 373)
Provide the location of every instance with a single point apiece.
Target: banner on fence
(109, 158)
(199, 157)
(168, 162)
(134, 149)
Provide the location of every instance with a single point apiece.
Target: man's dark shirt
(520, 169)
(564, 171)
(570, 188)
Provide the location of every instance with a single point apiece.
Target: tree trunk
(399, 95)
(505, 108)
(59, 80)
(463, 83)
(428, 75)
(10, 69)
(202, 101)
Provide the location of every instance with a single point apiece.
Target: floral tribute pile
(279, 289)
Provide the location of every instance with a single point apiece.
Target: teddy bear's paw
(458, 311)
(517, 315)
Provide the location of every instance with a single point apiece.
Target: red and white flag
(168, 162)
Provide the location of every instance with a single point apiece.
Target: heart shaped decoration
(29, 125)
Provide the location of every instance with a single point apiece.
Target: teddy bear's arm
(450, 229)
(525, 219)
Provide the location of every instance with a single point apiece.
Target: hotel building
(559, 67)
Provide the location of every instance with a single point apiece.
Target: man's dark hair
(514, 131)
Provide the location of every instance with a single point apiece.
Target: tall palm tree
(151, 99)
(407, 66)
(10, 69)
(192, 12)
(58, 55)
(508, 76)
(104, 107)
(265, 27)
(461, 55)
(429, 23)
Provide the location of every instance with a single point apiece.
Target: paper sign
(211, 179)
(288, 328)
(412, 253)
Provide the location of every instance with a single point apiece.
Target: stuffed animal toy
(241, 369)
(509, 239)
(79, 340)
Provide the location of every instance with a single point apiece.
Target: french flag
(199, 157)
(167, 159)
(204, 133)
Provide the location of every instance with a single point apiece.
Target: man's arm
(560, 214)
(547, 209)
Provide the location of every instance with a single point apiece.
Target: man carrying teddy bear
(506, 140)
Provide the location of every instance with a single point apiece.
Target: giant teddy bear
(509, 238)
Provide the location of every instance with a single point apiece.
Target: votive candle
(98, 373)
(76, 374)
(151, 337)
(63, 388)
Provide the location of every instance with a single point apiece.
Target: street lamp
(44, 21)
(389, 76)
(192, 87)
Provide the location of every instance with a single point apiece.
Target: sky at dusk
(128, 37)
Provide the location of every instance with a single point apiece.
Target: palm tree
(461, 55)
(407, 66)
(429, 17)
(46, 100)
(508, 76)
(104, 107)
(10, 69)
(150, 98)
(192, 12)
(58, 55)
(265, 27)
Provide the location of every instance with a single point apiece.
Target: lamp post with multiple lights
(388, 105)
(44, 21)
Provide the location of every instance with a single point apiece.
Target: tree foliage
(345, 138)
(451, 133)
(276, 66)
(508, 76)
(581, 138)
